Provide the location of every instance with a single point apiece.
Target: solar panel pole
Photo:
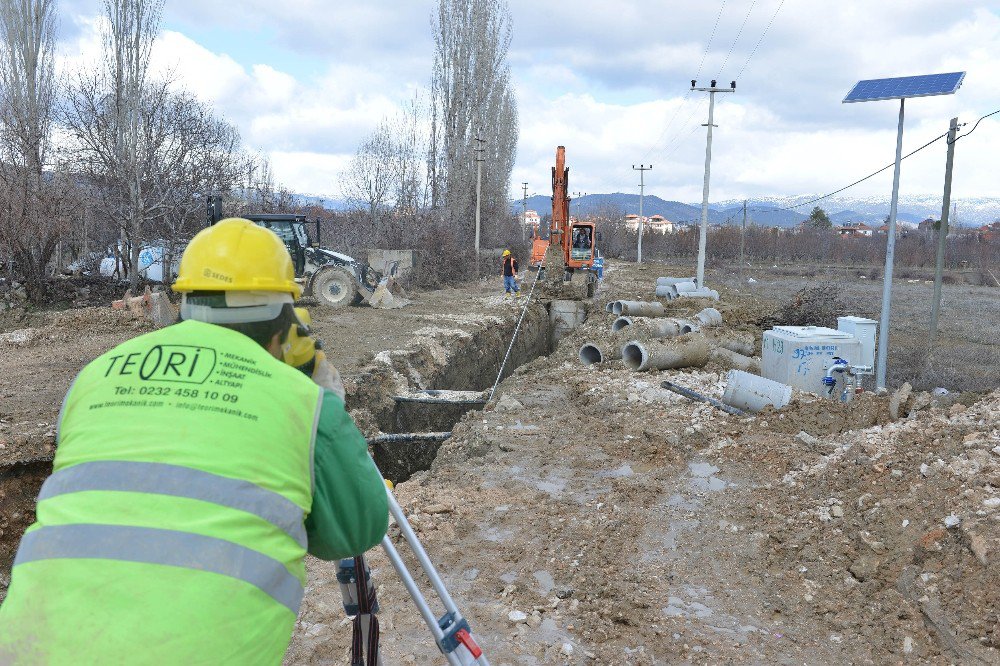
(890, 253)
(703, 232)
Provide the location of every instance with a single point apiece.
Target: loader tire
(335, 288)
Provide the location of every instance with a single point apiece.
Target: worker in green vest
(194, 471)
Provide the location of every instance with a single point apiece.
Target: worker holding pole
(194, 471)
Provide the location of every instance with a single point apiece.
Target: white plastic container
(753, 393)
(865, 330)
(799, 355)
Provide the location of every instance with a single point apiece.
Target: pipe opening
(616, 307)
(591, 354)
(634, 355)
(686, 328)
(620, 323)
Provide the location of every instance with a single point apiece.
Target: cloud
(306, 81)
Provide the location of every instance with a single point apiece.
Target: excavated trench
(462, 359)
(466, 361)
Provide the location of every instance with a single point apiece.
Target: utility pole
(943, 230)
(524, 210)
(743, 238)
(703, 234)
(642, 169)
(480, 149)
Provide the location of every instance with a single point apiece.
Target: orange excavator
(571, 244)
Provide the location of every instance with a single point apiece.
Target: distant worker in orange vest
(510, 275)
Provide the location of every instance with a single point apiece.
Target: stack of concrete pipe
(671, 288)
(629, 329)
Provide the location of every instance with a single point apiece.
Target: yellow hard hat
(506, 253)
(236, 255)
(300, 348)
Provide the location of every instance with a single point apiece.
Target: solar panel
(905, 86)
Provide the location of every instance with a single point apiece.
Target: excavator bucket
(389, 293)
(154, 306)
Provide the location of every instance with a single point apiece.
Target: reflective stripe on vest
(167, 547)
(177, 481)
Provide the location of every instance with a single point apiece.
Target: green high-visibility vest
(172, 528)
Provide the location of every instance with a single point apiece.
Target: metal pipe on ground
(639, 308)
(402, 437)
(733, 361)
(647, 327)
(686, 351)
(698, 397)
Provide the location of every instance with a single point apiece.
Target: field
(588, 516)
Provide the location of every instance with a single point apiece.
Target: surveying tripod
(451, 631)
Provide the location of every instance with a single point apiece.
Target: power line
(738, 35)
(860, 180)
(687, 94)
(711, 39)
(762, 35)
(981, 119)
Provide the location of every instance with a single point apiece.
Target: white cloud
(606, 79)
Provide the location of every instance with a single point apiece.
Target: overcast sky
(306, 80)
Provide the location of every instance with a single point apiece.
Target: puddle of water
(496, 535)
(545, 581)
(620, 472)
(701, 469)
(704, 479)
(711, 484)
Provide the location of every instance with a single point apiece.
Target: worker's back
(171, 529)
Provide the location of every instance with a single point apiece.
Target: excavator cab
(581, 253)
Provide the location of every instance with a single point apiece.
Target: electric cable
(757, 45)
(860, 180)
(739, 33)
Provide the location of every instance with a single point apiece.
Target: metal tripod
(451, 631)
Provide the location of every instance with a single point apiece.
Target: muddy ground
(589, 516)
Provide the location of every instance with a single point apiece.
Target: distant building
(656, 223)
(532, 219)
(990, 232)
(854, 230)
(930, 225)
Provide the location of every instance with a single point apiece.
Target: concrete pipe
(666, 291)
(599, 351)
(609, 306)
(687, 326)
(733, 361)
(739, 342)
(640, 308)
(668, 281)
(703, 292)
(709, 317)
(682, 287)
(647, 327)
(687, 351)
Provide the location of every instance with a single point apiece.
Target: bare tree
(32, 215)
(116, 144)
(372, 176)
(471, 94)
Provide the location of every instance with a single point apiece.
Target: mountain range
(778, 211)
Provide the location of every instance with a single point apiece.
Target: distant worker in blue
(510, 275)
(598, 266)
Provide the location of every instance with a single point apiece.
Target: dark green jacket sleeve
(350, 513)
